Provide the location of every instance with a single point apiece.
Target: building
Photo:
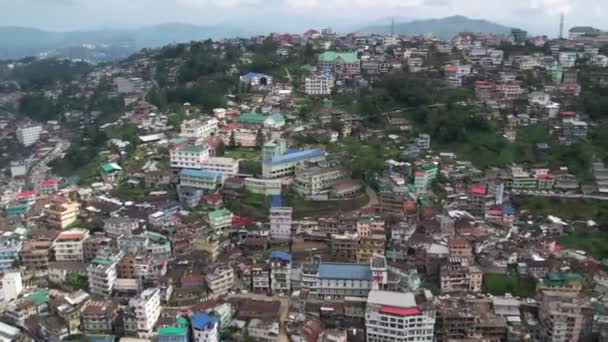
(564, 316)
(142, 313)
(204, 328)
(261, 331)
(567, 59)
(29, 135)
(424, 176)
(177, 332)
(99, 316)
(560, 282)
(11, 285)
(9, 252)
(279, 162)
(69, 245)
(344, 246)
(280, 272)
(256, 79)
(102, 274)
(393, 316)
(280, 221)
(199, 128)
(220, 219)
(220, 280)
(319, 85)
(260, 278)
(579, 31)
(226, 166)
(62, 212)
(460, 248)
(48, 186)
(423, 141)
(190, 157)
(458, 275)
(35, 255)
(472, 318)
(315, 181)
(265, 187)
(370, 245)
(200, 179)
(117, 226)
(340, 63)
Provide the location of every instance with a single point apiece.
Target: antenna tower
(561, 26)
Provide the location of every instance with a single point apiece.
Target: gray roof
(396, 299)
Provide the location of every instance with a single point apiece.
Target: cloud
(552, 7)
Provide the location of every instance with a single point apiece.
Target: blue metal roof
(202, 320)
(280, 255)
(253, 74)
(276, 201)
(508, 210)
(296, 156)
(344, 271)
(199, 173)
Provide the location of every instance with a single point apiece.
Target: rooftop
(193, 149)
(280, 255)
(199, 173)
(392, 299)
(296, 156)
(330, 56)
(202, 320)
(344, 271)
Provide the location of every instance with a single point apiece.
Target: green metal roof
(39, 297)
(156, 238)
(277, 117)
(177, 140)
(252, 118)
(172, 331)
(330, 56)
(109, 167)
(560, 278)
(193, 149)
(219, 213)
(182, 322)
(102, 261)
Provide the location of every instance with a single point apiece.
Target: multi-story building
(564, 316)
(99, 316)
(511, 90)
(369, 225)
(102, 274)
(260, 278)
(200, 179)
(468, 319)
(393, 316)
(221, 280)
(142, 313)
(459, 275)
(460, 248)
(176, 332)
(423, 141)
(315, 182)
(95, 244)
(261, 331)
(117, 226)
(484, 90)
(322, 84)
(199, 128)
(148, 243)
(141, 267)
(280, 222)
(12, 285)
(9, 252)
(225, 166)
(424, 176)
(47, 186)
(35, 255)
(278, 161)
(265, 187)
(62, 212)
(280, 272)
(29, 135)
(204, 328)
(567, 59)
(68, 245)
(373, 244)
(340, 63)
(220, 219)
(190, 157)
(561, 282)
(344, 246)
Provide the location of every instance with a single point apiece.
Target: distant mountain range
(444, 28)
(17, 42)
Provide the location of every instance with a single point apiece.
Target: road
(283, 313)
(373, 197)
(38, 171)
(558, 195)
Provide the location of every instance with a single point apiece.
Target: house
(256, 79)
(274, 121)
(340, 63)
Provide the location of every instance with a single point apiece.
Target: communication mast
(561, 25)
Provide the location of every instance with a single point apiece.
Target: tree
(259, 139)
(220, 149)
(232, 141)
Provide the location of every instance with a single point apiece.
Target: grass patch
(594, 242)
(567, 209)
(498, 284)
(242, 153)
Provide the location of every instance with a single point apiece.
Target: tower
(392, 26)
(561, 25)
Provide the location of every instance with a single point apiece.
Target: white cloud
(552, 7)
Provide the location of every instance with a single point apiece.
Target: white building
(102, 274)
(395, 316)
(319, 85)
(313, 182)
(263, 186)
(423, 141)
(221, 280)
(280, 272)
(263, 331)
(191, 157)
(204, 328)
(68, 245)
(29, 135)
(11, 285)
(199, 128)
(143, 312)
(226, 166)
(567, 59)
(280, 223)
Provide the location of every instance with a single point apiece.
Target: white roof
(396, 299)
(8, 330)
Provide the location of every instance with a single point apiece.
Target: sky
(536, 16)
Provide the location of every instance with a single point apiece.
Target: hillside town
(318, 187)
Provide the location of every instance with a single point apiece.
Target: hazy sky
(533, 15)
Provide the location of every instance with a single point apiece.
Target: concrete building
(116, 226)
(340, 63)
(12, 285)
(220, 280)
(204, 328)
(261, 331)
(199, 128)
(458, 275)
(278, 162)
(226, 166)
(280, 222)
(176, 332)
(62, 212)
(344, 246)
(142, 313)
(370, 245)
(99, 316)
(319, 85)
(393, 316)
(424, 176)
(220, 219)
(35, 255)
(29, 135)
(190, 157)
(315, 182)
(200, 179)
(68, 245)
(9, 252)
(260, 278)
(564, 316)
(265, 187)
(102, 274)
(280, 272)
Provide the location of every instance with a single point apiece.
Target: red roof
(409, 205)
(450, 68)
(239, 221)
(545, 176)
(231, 126)
(310, 32)
(400, 311)
(64, 236)
(567, 114)
(482, 83)
(478, 189)
(49, 181)
(457, 242)
(419, 174)
(25, 194)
